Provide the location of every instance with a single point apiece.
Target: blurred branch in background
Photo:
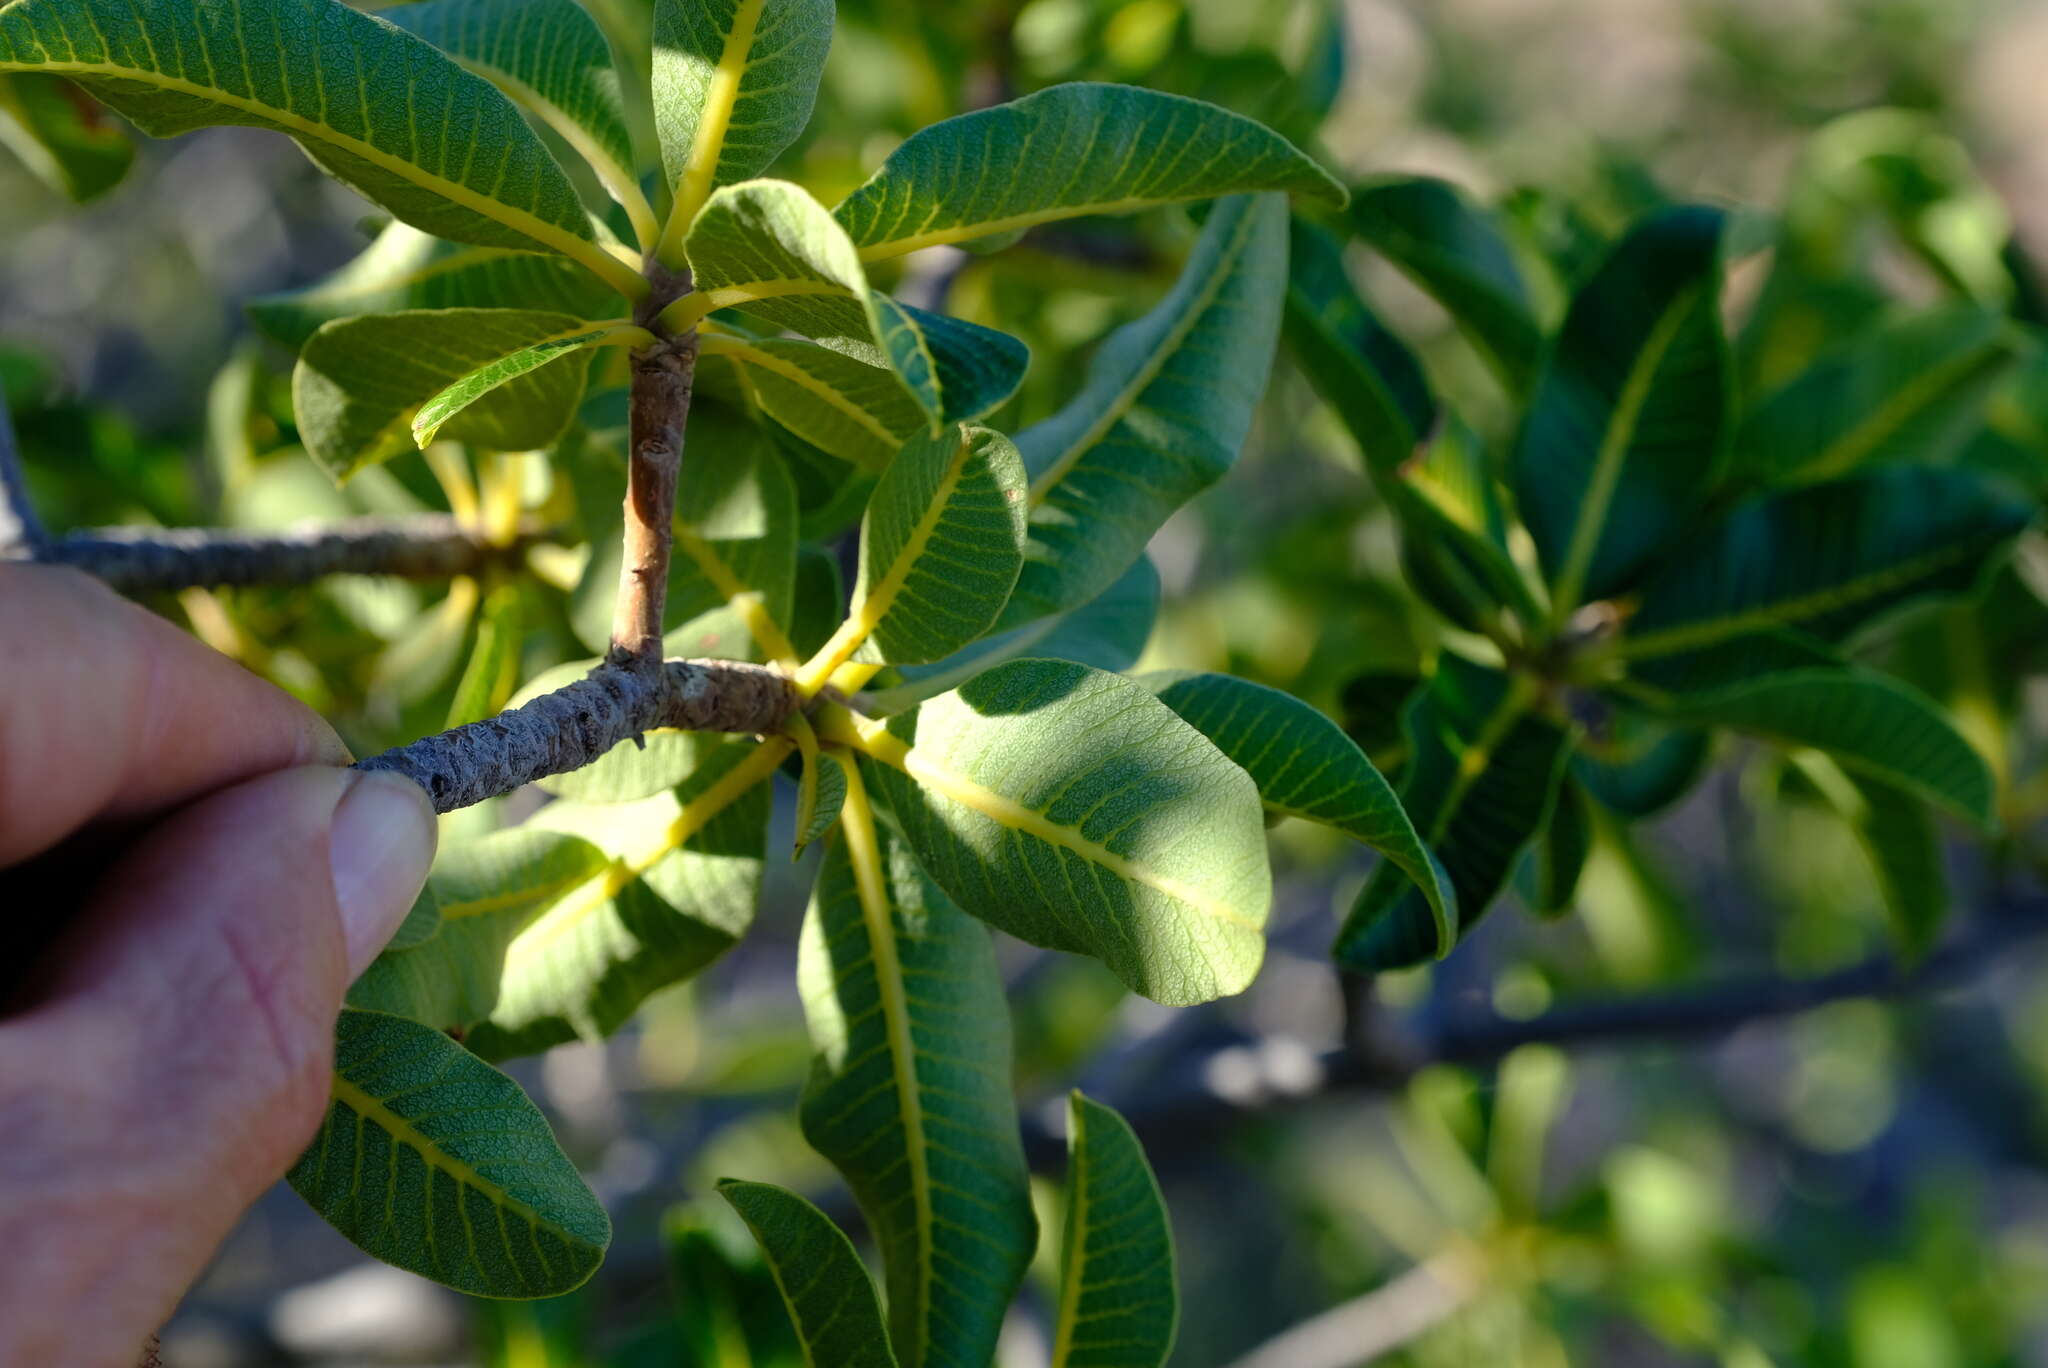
(136, 560)
(1381, 1321)
(1200, 1095)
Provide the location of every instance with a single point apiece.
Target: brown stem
(568, 729)
(138, 560)
(659, 411)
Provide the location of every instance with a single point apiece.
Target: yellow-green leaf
(494, 375)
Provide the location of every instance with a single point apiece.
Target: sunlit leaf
(494, 375)
(1063, 152)
(376, 107)
(1074, 810)
(856, 411)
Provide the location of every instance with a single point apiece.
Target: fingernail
(380, 844)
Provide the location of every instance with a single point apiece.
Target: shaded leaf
(432, 1160)
(910, 1094)
(858, 412)
(1074, 810)
(480, 894)
(1119, 1297)
(1455, 253)
(1482, 775)
(1066, 151)
(1166, 408)
(494, 375)
(1638, 767)
(1305, 766)
(1625, 428)
(1827, 559)
(1899, 835)
(827, 1290)
(1108, 632)
(405, 269)
(493, 670)
(360, 381)
(1913, 391)
(1561, 855)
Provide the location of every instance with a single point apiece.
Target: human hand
(219, 879)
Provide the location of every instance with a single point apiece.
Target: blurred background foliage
(1861, 1184)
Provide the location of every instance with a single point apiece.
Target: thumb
(182, 1060)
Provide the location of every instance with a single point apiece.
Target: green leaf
(828, 1292)
(1166, 408)
(480, 895)
(770, 250)
(550, 57)
(493, 669)
(1638, 767)
(683, 882)
(735, 537)
(1869, 722)
(1305, 766)
(1109, 632)
(1060, 153)
(406, 269)
(1561, 855)
(734, 82)
(1454, 537)
(359, 382)
(487, 379)
(1074, 810)
(1904, 845)
(1455, 253)
(1914, 391)
(403, 1168)
(1119, 1298)
(729, 1313)
(855, 411)
(821, 797)
(1360, 369)
(1625, 428)
(1827, 559)
(940, 549)
(71, 144)
(378, 109)
(1483, 772)
(910, 1094)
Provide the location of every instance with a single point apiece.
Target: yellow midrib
(865, 854)
(1785, 612)
(558, 921)
(691, 309)
(890, 749)
(1614, 445)
(403, 1132)
(720, 344)
(498, 902)
(618, 180)
(1077, 1247)
(1119, 408)
(721, 94)
(1849, 450)
(586, 253)
(874, 605)
(431, 417)
(749, 603)
(967, 232)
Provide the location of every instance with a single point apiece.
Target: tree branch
(571, 727)
(21, 532)
(1203, 1096)
(659, 412)
(137, 560)
(1381, 1321)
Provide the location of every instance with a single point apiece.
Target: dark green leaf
(828, 1292)
(1119, 1297)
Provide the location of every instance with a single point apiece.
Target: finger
(183, 1060)
(108, 711)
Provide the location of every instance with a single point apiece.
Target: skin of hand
(172, 1056)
